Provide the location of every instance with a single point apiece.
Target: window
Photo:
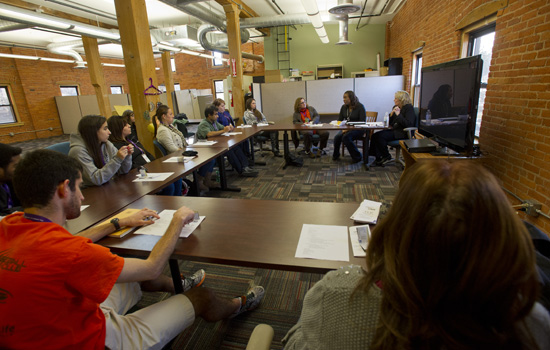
(7, 109)
(481, 43)
(218, 88)
(217, 60)
(69, 90)
(417, 73)
(162, 88)
(177, 87)
(173, 63)
(116, 89)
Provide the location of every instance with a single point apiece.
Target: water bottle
(142, 172)
(386, 120)
(428, 115)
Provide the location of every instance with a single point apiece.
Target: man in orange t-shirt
(59, 291)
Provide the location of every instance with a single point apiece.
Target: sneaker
(195, 280)
(250, 301)
(246, 173)
(310, 154)
(249, 168)
(318, 153)
(383, 160)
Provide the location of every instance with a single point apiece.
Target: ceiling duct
(7, 26)
(183, 35)
(274, 21)
(65, 49)
(220, 44)
(341, 11)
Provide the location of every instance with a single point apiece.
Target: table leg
(286, 149)
(176, 275)
(196, 183)
(223, 176)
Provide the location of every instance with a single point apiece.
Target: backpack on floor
(293, 160)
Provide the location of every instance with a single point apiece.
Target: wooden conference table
(242, 232)
(121, 190)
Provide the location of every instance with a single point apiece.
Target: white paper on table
(358, 252)
(153, 177)
(323, 242)
(161, 225)
(367, 212)
(181, 159)
(314, 125)
(371, 125)
(262, 124)
(244, 126)
(82, 207)
(203, 143)
(232, 133)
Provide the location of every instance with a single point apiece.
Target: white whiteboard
(326, 95)
(377, 93)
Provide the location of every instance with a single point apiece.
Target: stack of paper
(371, 125)
(244, 126)
(203, 143)
(161, 225)
(178, 159)
(262, 124)
(232, 133)
(367, 212)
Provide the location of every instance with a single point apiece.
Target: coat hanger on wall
(152, 89)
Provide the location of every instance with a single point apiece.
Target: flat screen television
(449, 95)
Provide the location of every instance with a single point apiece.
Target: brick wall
(515, 133)
(34, 85)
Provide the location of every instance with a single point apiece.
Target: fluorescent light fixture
(315, 18)
(56, 60)
(9, 55)
(113, 65)
(316, 21)
(31, 19)
(99, 32)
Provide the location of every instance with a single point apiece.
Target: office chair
(371, 118)
(62, 147)
(160, 148)
(410, 135)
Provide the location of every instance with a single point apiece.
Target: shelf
(325, 71)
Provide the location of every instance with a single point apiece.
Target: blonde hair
(404, 97)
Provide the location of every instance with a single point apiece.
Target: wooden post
(96, 75)
(234, 41)
(140, 65)
(168, 77)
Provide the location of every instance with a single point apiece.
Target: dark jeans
(348, 138)
(308, 138)
(207, 168)
(237, 159)
(379, 143)
(172, 189)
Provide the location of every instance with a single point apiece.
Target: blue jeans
(172, 189)
(348, 139)
(207, 168)
(237, 159)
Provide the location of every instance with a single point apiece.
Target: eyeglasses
(303, 102)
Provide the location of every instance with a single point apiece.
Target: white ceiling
(162, 15)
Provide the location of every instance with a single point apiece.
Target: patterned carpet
(320, 179)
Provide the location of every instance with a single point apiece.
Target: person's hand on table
(184, 214)
(228, 128)
(143, 217)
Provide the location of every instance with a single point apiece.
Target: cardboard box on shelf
(324, 73)
(273, 76)
(383, 71)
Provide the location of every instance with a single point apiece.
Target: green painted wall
(307, 51)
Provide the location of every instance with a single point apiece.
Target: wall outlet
(532, 207)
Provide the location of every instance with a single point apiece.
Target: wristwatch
(116, 224)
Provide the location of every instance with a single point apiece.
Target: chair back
(371, 116)
(160, 148)
(62, 147)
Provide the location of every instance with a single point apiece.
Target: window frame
(117, 86)
(218, 56)
(17, 119)
(216, 92)
(416, 77)
(76, 86)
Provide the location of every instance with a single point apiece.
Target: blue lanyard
(36, 218)
(7, 189)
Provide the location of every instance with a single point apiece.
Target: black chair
(410, 134)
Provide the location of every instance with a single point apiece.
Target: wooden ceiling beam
(245, 11)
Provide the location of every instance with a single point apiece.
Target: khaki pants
(148, 328)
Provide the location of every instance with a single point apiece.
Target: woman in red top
(305, 114)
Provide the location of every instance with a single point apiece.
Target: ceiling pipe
(342, 11)
(343, 31)
(313, 12)
(7, 26)
(221, 45)
(274, 21)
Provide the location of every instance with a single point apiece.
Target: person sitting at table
(64, 291)
(121, 137)
(253, 116)
(99, 158)
(130, 119)
(209, 127)
(172, 140)
(9, 157)
(402, 117)
(439, 274)
(225, 119)
(306, 114)
(352, 111)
